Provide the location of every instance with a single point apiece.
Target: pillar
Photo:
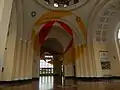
(36, 67)
(9, 57)
(26, 70)
(78, 65)
(23, 60)
(57, 65)
(31, 57)
(91, 56)
(5, 11)
(82, 63)
(85, 60)
(18, 60)
(69, 63)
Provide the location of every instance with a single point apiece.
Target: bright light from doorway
(119, 34)
(44, 64)
(56, 5)
(48, 56)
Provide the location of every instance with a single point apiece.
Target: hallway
(48, 83)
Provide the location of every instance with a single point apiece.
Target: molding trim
(17, 82)
(88, 79)
(94, 78)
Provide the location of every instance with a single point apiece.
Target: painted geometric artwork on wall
(48, 19)
(46, 29)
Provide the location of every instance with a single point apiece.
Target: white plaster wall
(63, 37)
(10, 48)
(5, 8)
(1, 8)
(113, 48)
(110, 45)
(31, 6)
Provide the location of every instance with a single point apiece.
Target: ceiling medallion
(62, 4)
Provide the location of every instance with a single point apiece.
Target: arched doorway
(50, 63)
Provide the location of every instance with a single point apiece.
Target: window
(44, 64)
(45, 67)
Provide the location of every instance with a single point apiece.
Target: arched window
(45, 64)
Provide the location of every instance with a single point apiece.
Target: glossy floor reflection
(52, 83)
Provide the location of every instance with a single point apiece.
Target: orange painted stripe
(82, 27)
(52, 15)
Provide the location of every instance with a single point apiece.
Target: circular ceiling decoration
(61, 4)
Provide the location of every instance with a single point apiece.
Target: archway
(61, 36)
(55, 49)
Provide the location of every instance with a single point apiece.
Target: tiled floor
(54, 83)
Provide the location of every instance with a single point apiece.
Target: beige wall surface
(5, 11)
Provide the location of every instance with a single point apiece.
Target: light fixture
(65, 5)
(48, 56)
(56, 5)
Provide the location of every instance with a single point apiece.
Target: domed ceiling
(61, 4)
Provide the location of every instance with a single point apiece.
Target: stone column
(82, 63)
(9, 57)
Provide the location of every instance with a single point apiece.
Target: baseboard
(94, 78)
(17, 82)
(67, 77)
(116, 77)
(70, 77)
(98, 78)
